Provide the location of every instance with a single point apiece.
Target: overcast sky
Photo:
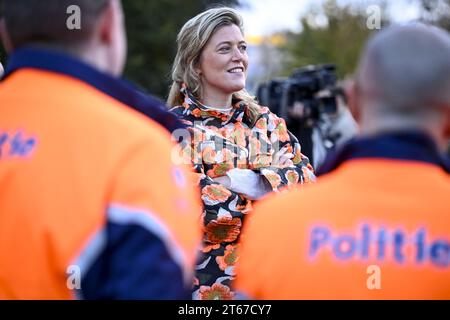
(264, 17)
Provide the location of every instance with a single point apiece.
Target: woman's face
(223, 62)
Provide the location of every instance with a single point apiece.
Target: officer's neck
(94, 56)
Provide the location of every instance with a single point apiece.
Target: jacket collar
(238, 112)
(407, 146)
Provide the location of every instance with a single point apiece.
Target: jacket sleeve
(220, 204)
(146, 248)
(284, 176)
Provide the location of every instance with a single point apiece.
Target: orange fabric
(90, 151)
(282, 257)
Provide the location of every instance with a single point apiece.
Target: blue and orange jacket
(375, 226)
(91, 204)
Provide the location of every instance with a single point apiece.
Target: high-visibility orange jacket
(376, 226)
(91, 204)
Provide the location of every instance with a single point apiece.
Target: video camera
(313, 86)
(314, 89)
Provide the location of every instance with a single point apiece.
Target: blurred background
(283, 34)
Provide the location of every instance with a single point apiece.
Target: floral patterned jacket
(219, 142)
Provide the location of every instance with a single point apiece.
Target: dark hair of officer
(27, 21)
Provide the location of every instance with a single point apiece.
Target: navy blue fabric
(121, 90)
(407, 146)
(135, 264)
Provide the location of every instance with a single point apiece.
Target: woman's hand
(246, 182)
(223, 180)
(283, 158)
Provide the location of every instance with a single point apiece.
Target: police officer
(376, 225)
(91, 204)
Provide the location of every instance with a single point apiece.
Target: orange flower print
(238, 126)
(292, 177)
(196, 113)
(228, 260)
(281, 129)
(215, 193)
(219, 170)
(242, 161)
(209, 155)
(216, 292)
(239, 136)
(254, 147)
(210, 247)
(307, 175)
(274, 178)
(223, 229)
(262, 160)
(288, 148)
(298, 157)
(217, 114)
(261, 124)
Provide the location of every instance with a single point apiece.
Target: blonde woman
(240, 150)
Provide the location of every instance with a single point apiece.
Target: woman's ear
(197, 64)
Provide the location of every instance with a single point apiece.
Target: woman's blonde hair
(191, 40)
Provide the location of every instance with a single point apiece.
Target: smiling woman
(240, 150)
(223, 66)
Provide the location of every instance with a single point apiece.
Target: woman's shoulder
(267, 115)
(183, 116)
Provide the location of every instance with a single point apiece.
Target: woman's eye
(243, 47)
(224, 49)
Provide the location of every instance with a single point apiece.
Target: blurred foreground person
(376, 225)
(91, 205)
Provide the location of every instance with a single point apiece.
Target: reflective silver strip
(89, 255)
(120, 214)
(124, 215)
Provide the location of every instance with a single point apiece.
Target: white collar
(223, 110)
